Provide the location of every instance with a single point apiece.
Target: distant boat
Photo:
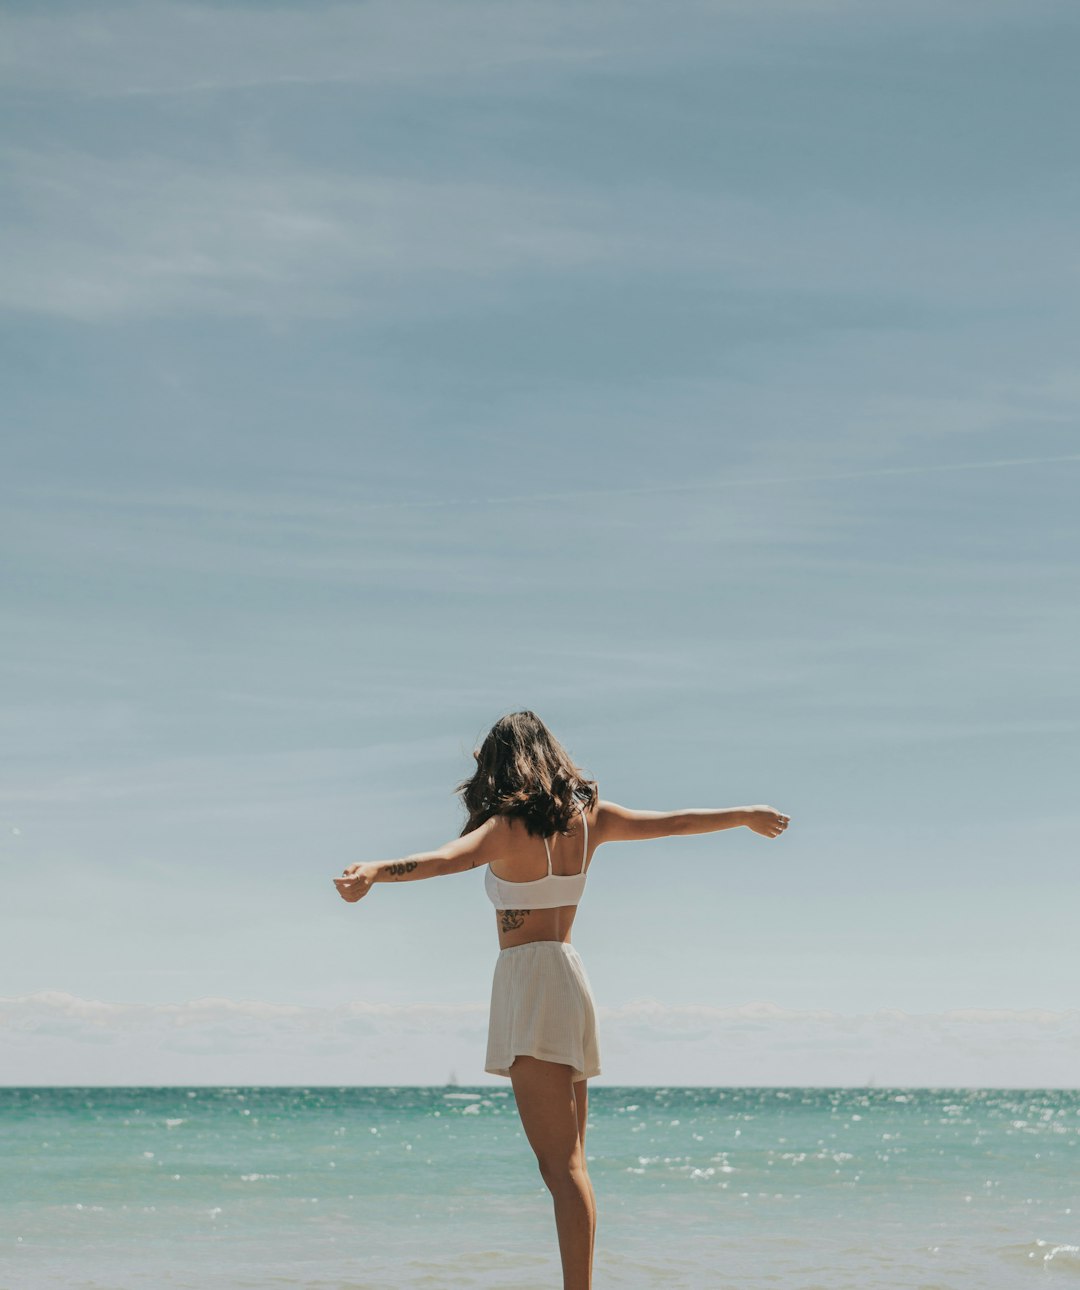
(452, 1082)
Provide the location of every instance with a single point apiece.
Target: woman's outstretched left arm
(475, 848)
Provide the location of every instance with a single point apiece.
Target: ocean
(807, 1189)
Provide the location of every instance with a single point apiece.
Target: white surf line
(700, 486)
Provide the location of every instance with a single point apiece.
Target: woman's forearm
(705, 821)
(424, 864)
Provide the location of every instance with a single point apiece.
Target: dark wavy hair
(522, 770)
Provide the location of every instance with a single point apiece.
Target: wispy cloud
(161, 49)
(251, 230)
(99, 237)
(310, 508)
(106, 238)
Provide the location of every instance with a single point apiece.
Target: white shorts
(542, 1006)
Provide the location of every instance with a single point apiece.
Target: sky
(700, 376)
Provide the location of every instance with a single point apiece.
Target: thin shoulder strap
(547, 849)
(585, 849)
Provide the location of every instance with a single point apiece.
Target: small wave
(1053, 1254)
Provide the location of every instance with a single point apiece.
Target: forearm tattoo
(512, 919)
(402, 866)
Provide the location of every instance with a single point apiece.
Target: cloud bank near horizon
(52, 1037)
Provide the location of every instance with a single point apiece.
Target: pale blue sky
(701, 376)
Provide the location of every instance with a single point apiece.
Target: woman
(542, 1021)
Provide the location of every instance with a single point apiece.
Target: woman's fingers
(767, 821)
(351, 889)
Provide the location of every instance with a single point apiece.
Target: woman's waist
(540, 945)
(529, 926)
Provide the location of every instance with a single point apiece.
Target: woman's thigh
(546, 1102)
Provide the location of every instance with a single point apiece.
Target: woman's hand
(766, 821)
(354, 883)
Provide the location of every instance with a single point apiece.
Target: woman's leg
(549, 1113)
(581, 1097)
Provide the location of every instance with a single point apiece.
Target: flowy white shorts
(542, 1006)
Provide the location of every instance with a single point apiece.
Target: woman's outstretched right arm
(615, 823)
(466, 852)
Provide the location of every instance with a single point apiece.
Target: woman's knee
(563, 1174)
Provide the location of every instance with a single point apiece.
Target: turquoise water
(436, 1187)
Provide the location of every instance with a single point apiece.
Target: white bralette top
(542, 893)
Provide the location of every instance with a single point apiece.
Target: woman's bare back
(523, 859)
